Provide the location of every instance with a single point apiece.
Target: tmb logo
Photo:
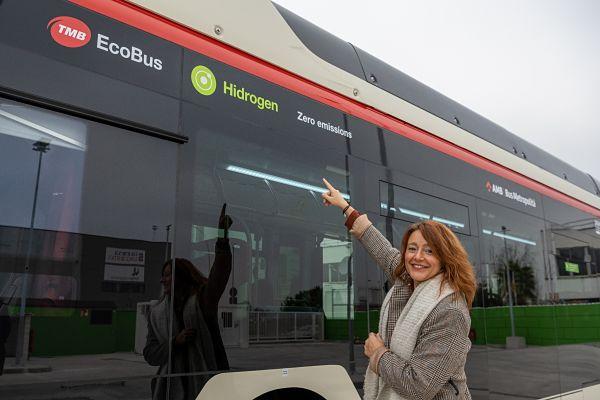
(69, 31)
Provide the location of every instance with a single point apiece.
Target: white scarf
(423, 300)
(201, 357)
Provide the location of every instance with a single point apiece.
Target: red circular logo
(69, 31)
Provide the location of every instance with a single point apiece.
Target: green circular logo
(204, 80)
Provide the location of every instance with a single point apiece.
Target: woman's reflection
(196, 344)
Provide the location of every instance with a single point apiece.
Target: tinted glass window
(512, 246)
(595, 261)
(409, 205)
(85, 213)
(571, 261)
(291, 256)
(574, 247)
(514, 287)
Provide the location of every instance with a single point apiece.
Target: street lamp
(167, 253)
(508, 284)
(513, 342)
(23, 334)
(349, 305)
(233, 290)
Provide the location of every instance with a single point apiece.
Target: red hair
(455, 265)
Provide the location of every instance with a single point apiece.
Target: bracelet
(346, 209)
(351, 218)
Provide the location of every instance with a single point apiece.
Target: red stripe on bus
(162, 27)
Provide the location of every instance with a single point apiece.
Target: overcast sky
(531, 66)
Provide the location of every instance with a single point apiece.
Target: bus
(125, 126)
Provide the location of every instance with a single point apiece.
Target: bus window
(291, 255)
(86, 211)
(409, 205)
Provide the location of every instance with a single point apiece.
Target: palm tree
(522, 277)
(308, 299)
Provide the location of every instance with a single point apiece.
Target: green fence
(337, 329)
(67, 331)
(540, 325)
(64, 331)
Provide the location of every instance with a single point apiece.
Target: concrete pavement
(493, 373)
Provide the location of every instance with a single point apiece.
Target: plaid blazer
(436, 369)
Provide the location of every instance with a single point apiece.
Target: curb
(26, 369)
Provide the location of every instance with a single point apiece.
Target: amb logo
(204, 80)
(69, 31)
(493, 188)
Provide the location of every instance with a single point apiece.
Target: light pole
(167, 255)
(233, 291)
(508, 284)
(349, 305)
(23, 335)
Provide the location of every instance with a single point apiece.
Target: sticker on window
(571, 267)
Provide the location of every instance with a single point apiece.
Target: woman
(421, 348)
(196, 344)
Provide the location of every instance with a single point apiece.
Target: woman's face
(419, 259)
(165, 279)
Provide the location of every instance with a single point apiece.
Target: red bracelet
(351, 218)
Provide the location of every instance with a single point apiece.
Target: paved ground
(493, 373)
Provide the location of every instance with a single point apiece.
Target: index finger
(223, 209)
(328, 184)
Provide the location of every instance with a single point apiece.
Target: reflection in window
(509, 237)
(37, 125)
(336, 263)
(289, 272)
(576, 251)
(571, 261)
(595, 262)
(409, 205)
(31, 139)
(91, 228)
(293, 253)
(278, 179)
(513, 268)
(51, 289)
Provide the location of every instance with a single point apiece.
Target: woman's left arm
(221, 268)
(440, 354)
(219, 272)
